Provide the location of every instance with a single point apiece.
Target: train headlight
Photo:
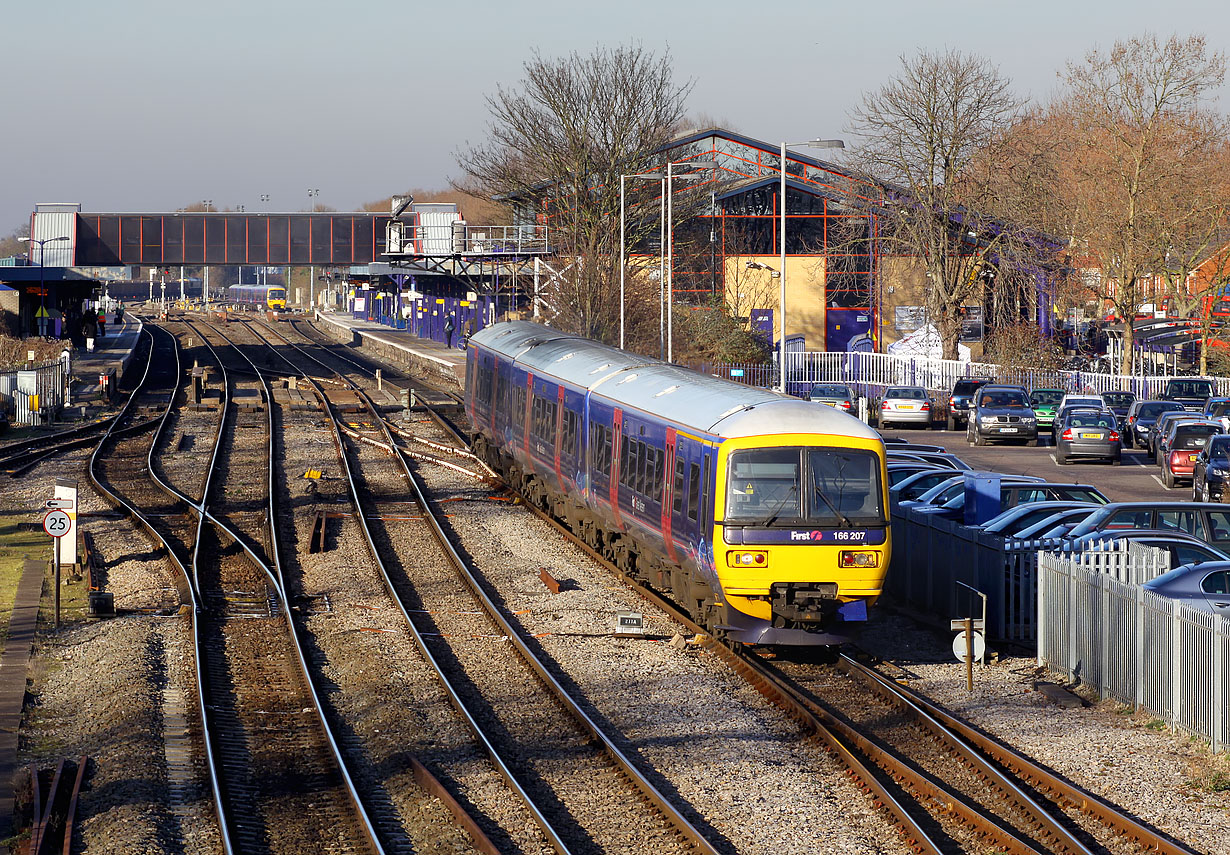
(747, 559)
(851, 558)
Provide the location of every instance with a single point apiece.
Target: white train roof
(704, 403)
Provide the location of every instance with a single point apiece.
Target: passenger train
(764, 516)
(269, 296)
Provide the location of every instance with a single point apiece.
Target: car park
(1180, 447)
(1045, 403)
(1141, 418)
(1182, 548)
(960, 402)
(1001, 413)
(1204, 587)
(1207, 521)
(1120, 403)
(1191, 392)
(837, 395)
(1088, 434)
(1211, 473)
(1158, 429)
(904, 405)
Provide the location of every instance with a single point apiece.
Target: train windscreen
(842, 487)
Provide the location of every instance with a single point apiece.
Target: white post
(662, 272)
(311, 286)
(151, 285)
(182, 298)
(782, 276)
(205, 287)
(670, 266)
(537, 271)
(622, 265)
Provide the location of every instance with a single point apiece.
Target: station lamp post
(42, 278)
(781, 273)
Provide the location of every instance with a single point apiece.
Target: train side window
(681, 469)
(642, 469)
(608, 437)
(693, 491)
(623, 461)
(704, 491)
(659, 473)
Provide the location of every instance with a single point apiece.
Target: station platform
(111, 357)
(399, 347)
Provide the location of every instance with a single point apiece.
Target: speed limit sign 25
(57, 523)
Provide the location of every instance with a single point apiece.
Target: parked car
(938, 458)
(960, 402)
(944, 490)
(1045, 403)
(914, 488)
(1209, 522)
(1191, 392)
(1204, 587)
(1023, 516)
(1183, 548)
(896, 443)
(1161, 425)
(1181, 446)
(1211, 473)
(1088, 434)
(836, 395)
(1141, 417)
(1014, 493)
(1064, 412)
(898, 472)
(905, 405)
(1119, 403)
(1057, 524)
(1002, 413)
(1219, 409)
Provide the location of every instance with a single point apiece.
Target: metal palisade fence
(1096, 624)
(869, 373)
(34, 395)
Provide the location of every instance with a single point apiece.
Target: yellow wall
(804, 293)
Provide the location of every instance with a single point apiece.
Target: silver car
(1205, 587)
(905, 405)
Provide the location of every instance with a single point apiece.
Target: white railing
(871, 372)
(1096, 624)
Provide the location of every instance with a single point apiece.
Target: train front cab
(801, 539)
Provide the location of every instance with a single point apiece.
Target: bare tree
(557, 144)
(925, 132)
(1137, 146)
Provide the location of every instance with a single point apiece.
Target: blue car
(1204, 587)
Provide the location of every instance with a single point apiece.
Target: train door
(617, 453)
(668, 495)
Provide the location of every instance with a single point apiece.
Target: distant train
(765, 517)
(269, 296)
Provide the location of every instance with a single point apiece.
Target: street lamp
(622, 265)
(42, 281)
(782, 269)
(670, 244)
(209, 204)
(311, 195)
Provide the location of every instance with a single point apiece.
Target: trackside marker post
(57, 524)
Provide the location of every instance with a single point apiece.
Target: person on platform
(102, 326)
(89, 329)
(449, 327)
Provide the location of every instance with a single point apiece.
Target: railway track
(567, 769)
(947, 786)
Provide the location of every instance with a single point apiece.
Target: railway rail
(560, 798)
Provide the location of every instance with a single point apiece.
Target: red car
(1182, 446)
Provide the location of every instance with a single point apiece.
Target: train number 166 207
(850, 536)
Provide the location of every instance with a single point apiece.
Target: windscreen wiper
(794, 488)
(844, 519)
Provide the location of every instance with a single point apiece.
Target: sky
(136, 105)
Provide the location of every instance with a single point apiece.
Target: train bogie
(763, 516)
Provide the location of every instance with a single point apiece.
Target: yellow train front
(764, 516)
